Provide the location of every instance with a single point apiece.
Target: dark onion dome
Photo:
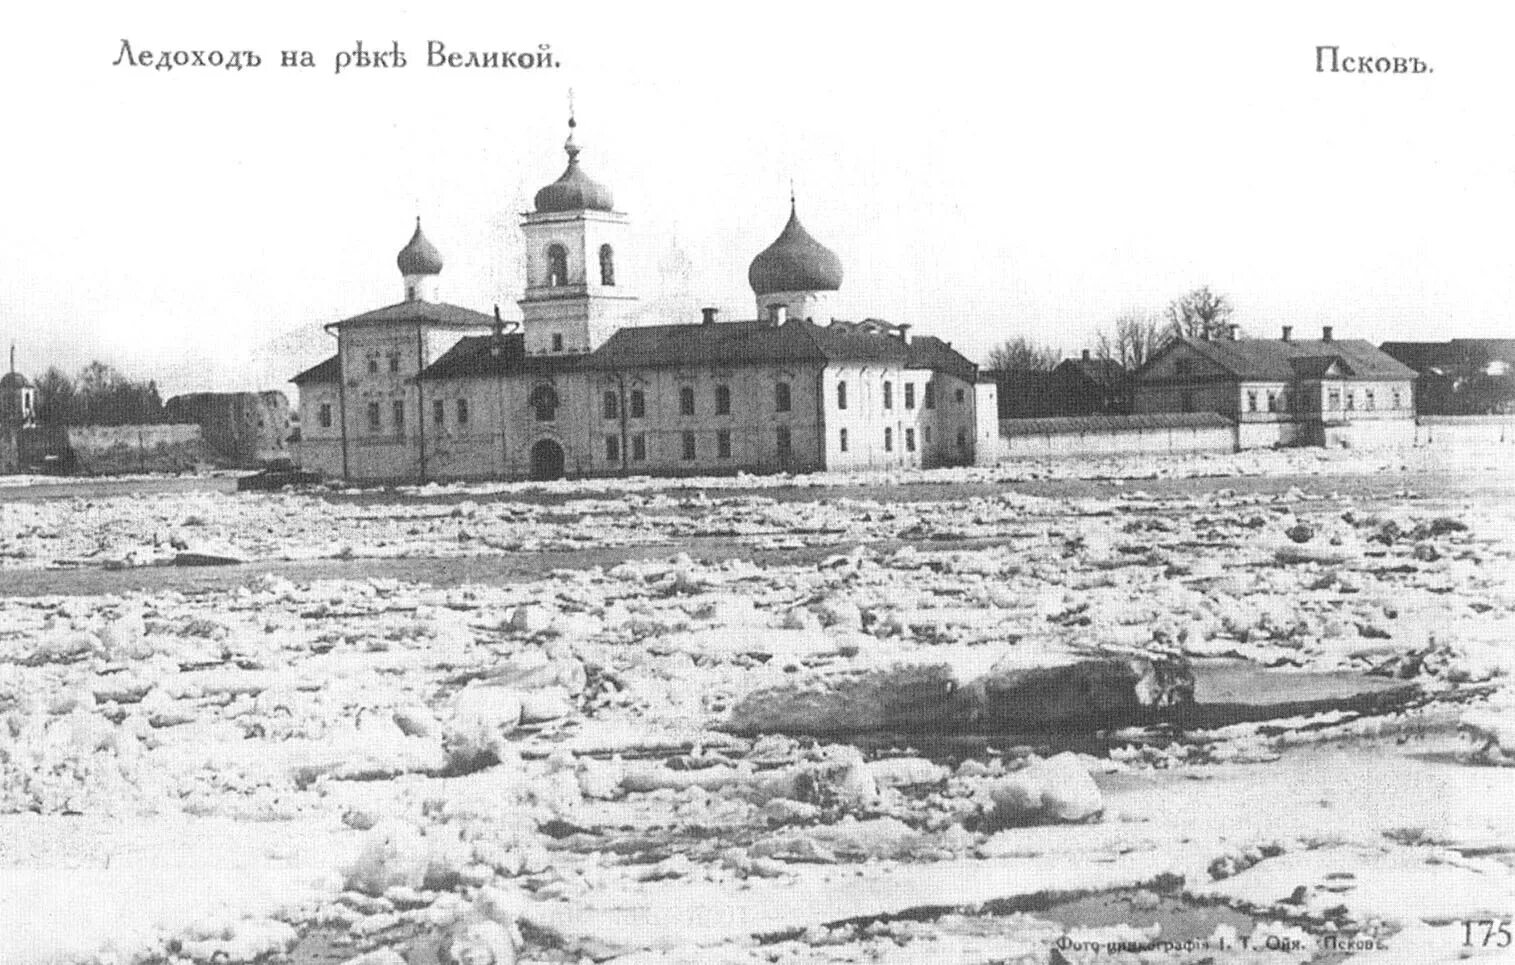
(419, 256)
(14, 380)
(574, 190)
(795, 262)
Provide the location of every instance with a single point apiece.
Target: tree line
(1128, 343)
(1132, 339)
(98, 395)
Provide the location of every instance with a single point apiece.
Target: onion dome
(574, 190)
(795, 262)
(419, 256)
(14, 380)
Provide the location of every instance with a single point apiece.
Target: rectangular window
(610, 407)
(688, 445)
(1182, 366)
(909, 395)
(930, 400)
(1395, 399)
(1368, 402)
(958, 395)
(394, 363)
(841, 395)
(686, 400)
(638, 404)
(926, 435)
(1272, 401)
(783, 440)
(962, 438)
(438, 412)
(1351, 399)
(781, 398)
(399, 413)
(909, 440)
(373, 417)
(723, 444)
(723, 400)
(639, 448)
(462, 412)
(373, 366)
(325, 415)
(557, 341)
(1251, 400)
(612, 448)
(842, 440)
(888, 395)
(1333, 399)
(888, 440)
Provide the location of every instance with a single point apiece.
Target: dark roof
(327, 371)
(14, 380)
(497, 355)
(732, 343)
(1113, 423)
(419, 256)
(930, 352)
(1094, 369)
(1496, 348)
(795, 262)
(718, 343)
(1425, 356)
(431, 313)
(1284, 361)
(759, 342)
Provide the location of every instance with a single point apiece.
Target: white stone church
(423, 390)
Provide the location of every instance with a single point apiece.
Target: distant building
(1285, 391)
(1024, 393)
(18, 416)
(1463, 376)
(424, 390)
(1090, 386)
(237, 428)
(1074, 387)
(18, 398)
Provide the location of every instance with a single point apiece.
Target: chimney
(1086, 355)
(904, 329)
(1325, 333)
(708, 316)
(1288, 332)
(777, 315)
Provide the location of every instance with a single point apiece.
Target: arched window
(557, 266)
(607, 265)
(545, 401)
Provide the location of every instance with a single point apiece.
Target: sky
(983, 171)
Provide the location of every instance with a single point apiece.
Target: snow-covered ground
(552, 767)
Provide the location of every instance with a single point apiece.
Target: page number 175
(1487, 933)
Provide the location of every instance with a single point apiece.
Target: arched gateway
(546, 460)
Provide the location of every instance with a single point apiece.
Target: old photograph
(659, 483)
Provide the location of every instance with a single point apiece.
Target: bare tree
(1020, 354)
(1199, 314)
(1137, 336)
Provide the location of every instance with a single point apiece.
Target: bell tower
(576, 264)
